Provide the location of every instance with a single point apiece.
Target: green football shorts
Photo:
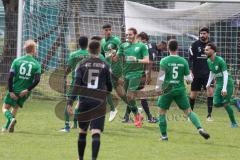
(134, 84)
(180, 97)
(19, 102)
(218, 99)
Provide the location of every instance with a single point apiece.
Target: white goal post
(57, 24)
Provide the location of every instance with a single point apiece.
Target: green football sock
(194, 119)
(110, 102)
(6, 124)
(133, 107)
(230, 114)
(8, 115)
(67, 117)
(163, 124)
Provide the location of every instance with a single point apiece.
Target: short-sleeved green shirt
(217, 67)
(138, 50)
(175, 68)
(112, 42)
(75, 57)
(24, 69)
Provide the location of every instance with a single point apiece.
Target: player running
(224, 82)
(143, 37)
(173, 68)
(135, 55)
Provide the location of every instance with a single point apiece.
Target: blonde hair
(30, 46)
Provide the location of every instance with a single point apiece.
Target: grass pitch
(36, 137)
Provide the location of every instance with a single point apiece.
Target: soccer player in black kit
(92, 73)
(199, 70)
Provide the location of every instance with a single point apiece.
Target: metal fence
(85, 17)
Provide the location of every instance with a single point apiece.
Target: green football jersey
(137, 50)
(112, 42)
(24, 69)
(217, 67)
(175, 68)
(75, 57)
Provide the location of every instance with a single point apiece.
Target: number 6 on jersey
(93, 78)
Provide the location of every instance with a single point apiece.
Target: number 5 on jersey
(175, 72)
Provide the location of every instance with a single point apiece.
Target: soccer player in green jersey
(224, 82)
(109, 46)
(24, 75)
(109, 42)
(144, 38)
(74, 58)
(173, 68)
(135, 56)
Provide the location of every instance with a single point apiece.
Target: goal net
(57, 24)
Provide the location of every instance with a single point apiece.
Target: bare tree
(10, 39)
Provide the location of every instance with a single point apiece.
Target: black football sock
(192, 103)
(210, 105)
(95, 145)
(145, 106)
(81, 145)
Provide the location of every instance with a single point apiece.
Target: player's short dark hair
(94, 47)
(144, 36)
(107, 25)
(134, 30)
(164, 42)
(212, 46)
(83, 42)
(202, 29)
(172, 45)
(97, 38)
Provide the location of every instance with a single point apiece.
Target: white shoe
(140, 110)
(112, 115)
(164, 138)
(65, 130)
(209, 119)
(4, 130)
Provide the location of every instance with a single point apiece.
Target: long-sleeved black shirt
(198, 60)
(92, 73)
